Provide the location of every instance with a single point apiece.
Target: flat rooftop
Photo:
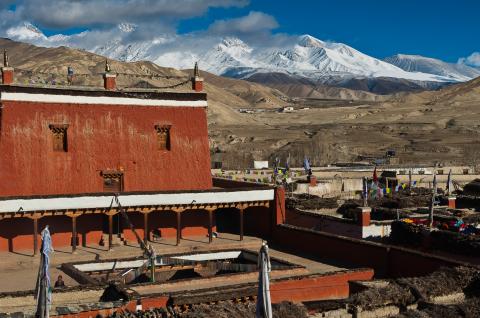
(18, 271)
(187, 95)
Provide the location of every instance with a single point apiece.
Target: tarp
(260, 164)
(43, 290)
(264, 304)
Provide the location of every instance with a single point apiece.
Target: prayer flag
(306, 164)
(449, 183)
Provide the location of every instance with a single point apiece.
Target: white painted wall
(102, 100)
(91, 202)
(376, 230)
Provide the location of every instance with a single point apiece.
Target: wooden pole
(145, 227)
(35, 236)
(241, 223)
(110, 231)
(410, 180)
(74, 234)
(210, 225)
(434, 193)
(179, 227)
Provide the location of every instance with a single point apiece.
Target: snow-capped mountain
(25, 32)
(312, 58)
(417, 63)
(305, 56)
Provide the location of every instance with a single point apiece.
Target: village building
(72, 157)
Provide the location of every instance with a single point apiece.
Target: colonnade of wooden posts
(35, 216)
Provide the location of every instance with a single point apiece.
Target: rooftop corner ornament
(196, 72)
(5, 58)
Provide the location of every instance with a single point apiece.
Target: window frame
(166, 130)
(113, 174)
(59, 131)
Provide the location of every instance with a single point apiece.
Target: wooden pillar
(110, 231)
(179, 226)
(210, 224)
(145, 227)
(178, 211)
(74, 234)
(35, 236)
(241, 222)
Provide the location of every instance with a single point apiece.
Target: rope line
(152, 75)
(51, 78)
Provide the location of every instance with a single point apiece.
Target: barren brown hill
(303, 88)
(257, 95)
(48, 66)
(441, 126)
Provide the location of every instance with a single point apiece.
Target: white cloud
(471, 60)
(135, 29)
(130, 22)
(251, 23)
(122, 22)
(62, 14)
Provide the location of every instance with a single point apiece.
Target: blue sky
(436, 28)
(443, 29)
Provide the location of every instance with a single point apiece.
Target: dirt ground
(422, 129)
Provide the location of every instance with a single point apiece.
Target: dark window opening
(112, 181)
(59, 137)
(465, 171)
(163, 136)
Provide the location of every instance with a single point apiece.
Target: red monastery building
(65, 153)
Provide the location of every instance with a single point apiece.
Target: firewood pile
(224, 309)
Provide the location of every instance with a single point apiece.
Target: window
(59, 137)
(465, 171)
(439, 172)
(163, 136)
(112, 181)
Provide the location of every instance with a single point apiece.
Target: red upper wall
(101, 137)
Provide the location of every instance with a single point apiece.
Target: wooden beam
(35, 236)
(241, 223)
(110, 231)
(179, 227)
(145, 227)
(74, 234)
(210, 223)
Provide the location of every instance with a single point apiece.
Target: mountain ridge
(323, 62)
(418, 63)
